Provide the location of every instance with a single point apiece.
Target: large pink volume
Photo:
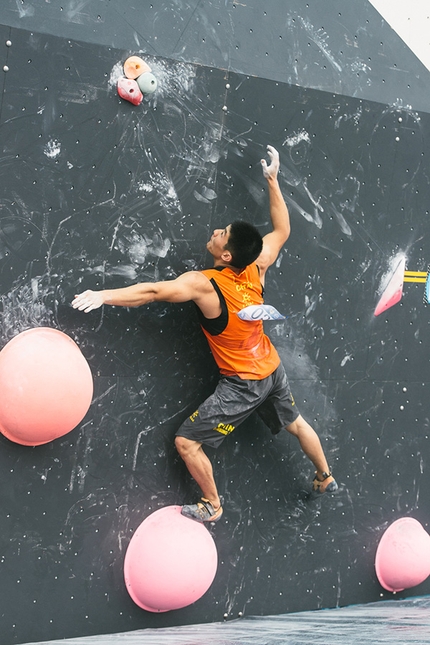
(171, 561)
(46, 386)
(403, 555)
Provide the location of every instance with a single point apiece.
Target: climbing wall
(96, 192)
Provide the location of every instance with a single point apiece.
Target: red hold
(129, 90)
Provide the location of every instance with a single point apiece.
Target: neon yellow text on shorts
(224, 428)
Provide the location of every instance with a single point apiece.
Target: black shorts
(234, 400)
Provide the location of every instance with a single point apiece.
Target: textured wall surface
(382, 623)
(96, 192)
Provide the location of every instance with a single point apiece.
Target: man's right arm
(279, 215)
(188, 286)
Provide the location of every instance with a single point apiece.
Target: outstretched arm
(279, 215)
(188, 286)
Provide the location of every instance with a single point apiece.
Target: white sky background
(411, 20)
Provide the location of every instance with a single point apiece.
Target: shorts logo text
(224, 428)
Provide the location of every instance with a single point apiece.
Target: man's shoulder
(198, 283)
(194, 277)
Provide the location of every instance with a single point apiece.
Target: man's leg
(199, 467)
(311, 446)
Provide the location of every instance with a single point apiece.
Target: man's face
(219, 238)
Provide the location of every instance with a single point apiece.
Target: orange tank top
(240, 347)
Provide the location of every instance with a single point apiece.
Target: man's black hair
(244, 243)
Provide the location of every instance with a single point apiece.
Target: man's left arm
(279, 215)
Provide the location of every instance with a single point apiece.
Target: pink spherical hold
(129, 90)
(403, 555)
(46, 386)
(171, 561)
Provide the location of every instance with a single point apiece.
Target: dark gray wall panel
(335, 46)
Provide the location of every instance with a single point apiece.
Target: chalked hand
(272, 169)
(88, 300)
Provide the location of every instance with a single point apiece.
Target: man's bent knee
(186, 446)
